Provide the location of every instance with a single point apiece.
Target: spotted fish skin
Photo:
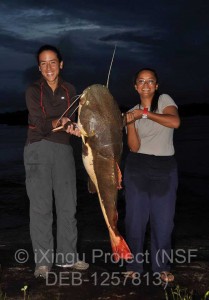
(101, 125)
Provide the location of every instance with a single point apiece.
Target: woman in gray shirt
(150, 176)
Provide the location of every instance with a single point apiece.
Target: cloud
(173, 38)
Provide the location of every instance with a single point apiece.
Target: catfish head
(100, 120)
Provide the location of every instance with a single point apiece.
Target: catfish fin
(91, 186)
(119, 186)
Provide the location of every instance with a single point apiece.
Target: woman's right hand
(130, 118)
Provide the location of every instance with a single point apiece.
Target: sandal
(166, 276)
(131, 274)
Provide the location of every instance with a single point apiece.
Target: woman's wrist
(144, 113)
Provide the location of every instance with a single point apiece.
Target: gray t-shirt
(156, 139)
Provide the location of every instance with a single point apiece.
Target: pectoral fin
(119, 186)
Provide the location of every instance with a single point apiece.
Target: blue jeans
(150, 190)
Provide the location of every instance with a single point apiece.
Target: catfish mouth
(83, 99)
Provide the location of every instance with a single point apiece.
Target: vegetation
(24, 290)
(179, 293)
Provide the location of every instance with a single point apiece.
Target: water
(191, 144)
(11, 149)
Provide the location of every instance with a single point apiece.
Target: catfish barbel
(101, 124)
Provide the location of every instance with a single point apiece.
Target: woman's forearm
(133, 139)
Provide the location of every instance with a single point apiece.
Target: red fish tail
(121, 251)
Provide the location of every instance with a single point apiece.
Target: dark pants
(150, 189)
(50, 167)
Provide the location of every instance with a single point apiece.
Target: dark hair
(154, 103)
(46, 48)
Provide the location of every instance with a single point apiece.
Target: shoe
(41, 271)
(131, 274)
(166, 276)
(79, 265)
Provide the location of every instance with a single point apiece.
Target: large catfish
(101, 124)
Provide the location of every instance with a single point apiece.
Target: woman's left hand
(73, 129)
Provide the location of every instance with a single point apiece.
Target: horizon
(135, 100)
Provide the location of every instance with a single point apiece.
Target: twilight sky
(171, 36)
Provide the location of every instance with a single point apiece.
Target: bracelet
(144, 115)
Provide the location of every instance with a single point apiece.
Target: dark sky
(171, 36)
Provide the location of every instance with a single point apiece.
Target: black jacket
(44, 105)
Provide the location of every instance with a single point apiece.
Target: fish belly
(88, 162)
(107, 194)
